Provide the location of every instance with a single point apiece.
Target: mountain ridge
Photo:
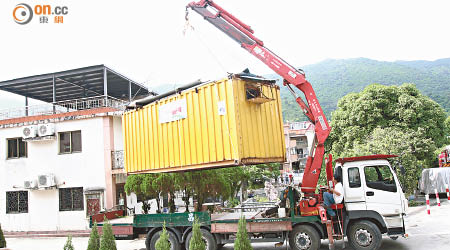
(335, 78)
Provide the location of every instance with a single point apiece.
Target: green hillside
(332, 79)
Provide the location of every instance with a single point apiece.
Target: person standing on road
(334, 196)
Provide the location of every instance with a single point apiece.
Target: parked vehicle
(374, 204)
(434, 179)
(444, 157)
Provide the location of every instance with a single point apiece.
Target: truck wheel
(304, 237)
(151, 242)
(364, 235)
(208, 238)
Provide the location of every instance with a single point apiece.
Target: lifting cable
(198, 35)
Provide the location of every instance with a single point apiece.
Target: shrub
(242, 242)
(163, 242)
(414, 203)
(196, 242)
(94, 239)
(108, 242)
(2, 238)
(69, 245)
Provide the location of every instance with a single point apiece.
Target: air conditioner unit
(29, 131)
(46, 180)
(46, 129)
(30, 184)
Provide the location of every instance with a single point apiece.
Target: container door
(354, 195)
(381, 190)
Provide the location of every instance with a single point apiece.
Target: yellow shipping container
(235, 121)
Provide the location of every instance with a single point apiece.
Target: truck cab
(372, 193)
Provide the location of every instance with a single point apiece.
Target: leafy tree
(163, 242)
(447, 130)
(94, 239)
(256, 174)
(184, 181)
(224, 183)
(166, 183)
(196, 242)
(406, 145)
(242, 242)
(210, 183)
(142, 185)
(389, 119)
(2, 239)
(108, 242)
(69, 245)
(235, 177)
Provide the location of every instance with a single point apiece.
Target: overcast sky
(144, 39)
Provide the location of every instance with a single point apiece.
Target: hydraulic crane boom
(243, 34)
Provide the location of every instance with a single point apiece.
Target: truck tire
(364, 235)
(304, 237)
(150, 242)
(207, 237)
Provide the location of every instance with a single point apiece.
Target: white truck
(373, 199)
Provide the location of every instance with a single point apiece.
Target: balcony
(63, 107)
(117, 161)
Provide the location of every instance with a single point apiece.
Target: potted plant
(2, 240)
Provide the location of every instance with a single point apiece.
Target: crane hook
(187, 25)
(187, 14)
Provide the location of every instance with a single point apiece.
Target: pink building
(299, 137)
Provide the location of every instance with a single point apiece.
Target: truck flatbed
(236, 216)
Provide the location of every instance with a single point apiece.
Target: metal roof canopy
(91, 81)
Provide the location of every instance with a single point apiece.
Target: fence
(63, 107)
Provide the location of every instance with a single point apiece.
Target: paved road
(425, 232)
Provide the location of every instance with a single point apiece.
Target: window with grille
(17, 202)
(17, 148)
(71, 199)
(70, 142)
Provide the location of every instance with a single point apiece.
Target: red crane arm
(243, 34)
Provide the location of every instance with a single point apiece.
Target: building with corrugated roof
(62, 160)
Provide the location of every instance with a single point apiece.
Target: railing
(63, 107)
(117, 159)
(252, 206)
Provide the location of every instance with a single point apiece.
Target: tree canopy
(218, 183)
(333, 79)
(447, 130)
(389, 120)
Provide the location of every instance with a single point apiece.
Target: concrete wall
(85, 169)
